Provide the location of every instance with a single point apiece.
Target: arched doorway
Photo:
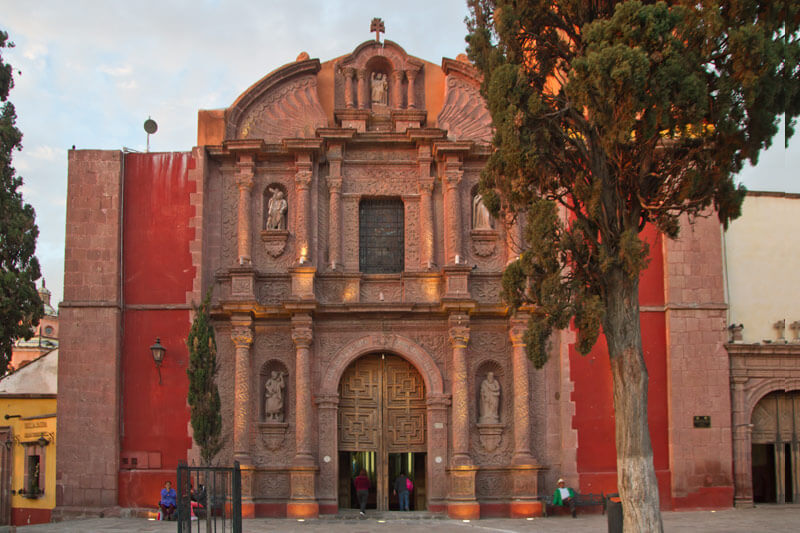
(775, 454)
(381, 428)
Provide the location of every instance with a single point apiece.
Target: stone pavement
(766, 518)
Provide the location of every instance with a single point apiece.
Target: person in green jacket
(565, 496)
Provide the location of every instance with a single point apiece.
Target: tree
(203, 396)
(610, 116)
(20, 305)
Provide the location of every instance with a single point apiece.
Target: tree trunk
(636, 476)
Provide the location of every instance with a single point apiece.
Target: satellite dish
(150, 126)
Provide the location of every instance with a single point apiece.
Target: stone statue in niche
(481, 218)
(380, 84)
(276, 209)
(273, 397)
(490, 400)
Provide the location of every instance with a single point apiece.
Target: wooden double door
(382, 415)
(775, 453)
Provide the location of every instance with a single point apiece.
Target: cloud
(116, 71)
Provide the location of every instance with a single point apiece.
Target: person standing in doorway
(401, 489)
(362, 485)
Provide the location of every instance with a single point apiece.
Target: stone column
(426, 205)
(363, 97)
(242, 337)
(412, 95)
(244, 180)
(335, 212)
(302, 179)
(349, 101)
(451, 180)
(461, 502)
(742, 446)
(397, 86)
(525, 468)
(328, 412)
(522, 386)
(459, 337)
(302, 499)
(437, 452)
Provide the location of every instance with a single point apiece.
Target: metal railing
(209, 499)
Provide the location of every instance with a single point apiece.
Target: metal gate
(209, 499)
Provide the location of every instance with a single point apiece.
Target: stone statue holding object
(490, 400)
(379, 88)
(273, 397)
(276, 210)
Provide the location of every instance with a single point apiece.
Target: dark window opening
(381, 239)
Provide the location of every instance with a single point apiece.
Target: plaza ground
(764, 518)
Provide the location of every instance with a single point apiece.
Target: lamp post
(158, 352)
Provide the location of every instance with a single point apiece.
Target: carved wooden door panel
(382, 410)
(776, 421)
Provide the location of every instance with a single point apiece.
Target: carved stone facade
(325, 368)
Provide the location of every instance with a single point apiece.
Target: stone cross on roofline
(377, 26)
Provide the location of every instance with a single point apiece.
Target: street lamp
(158, 356)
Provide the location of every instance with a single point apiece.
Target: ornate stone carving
(491, 435)
(484, 242)
(485, 290)
(275, 241)
(273, 485)
(289, 110)
(464, 114)
(273, 434)
(492, 484)
(274, 292)
(242, 336)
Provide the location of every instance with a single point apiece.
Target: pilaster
(242, 338)
(244, 181)
(461, 498)
(302, 499)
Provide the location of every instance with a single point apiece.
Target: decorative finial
(377, 26)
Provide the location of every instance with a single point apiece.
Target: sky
(89, 73)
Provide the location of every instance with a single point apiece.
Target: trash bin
(614, 513)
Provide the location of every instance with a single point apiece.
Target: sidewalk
(767, 518)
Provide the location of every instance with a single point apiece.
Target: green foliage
(20, 305)
(203, 396)
(612, 115)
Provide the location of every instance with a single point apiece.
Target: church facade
(355, 276)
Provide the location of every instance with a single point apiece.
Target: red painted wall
(27, 516)
(594, 407)
(157, 273)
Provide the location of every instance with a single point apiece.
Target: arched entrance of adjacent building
(775, 451)
(382, 428)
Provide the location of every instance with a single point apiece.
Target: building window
(381, 226)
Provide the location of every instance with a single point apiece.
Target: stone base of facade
(525, 509)
(464, 510)
(302, 509)
(75, 512)
(248, 509)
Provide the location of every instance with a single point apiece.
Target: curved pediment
(390, 52)
(464, 114)
(283, 104)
